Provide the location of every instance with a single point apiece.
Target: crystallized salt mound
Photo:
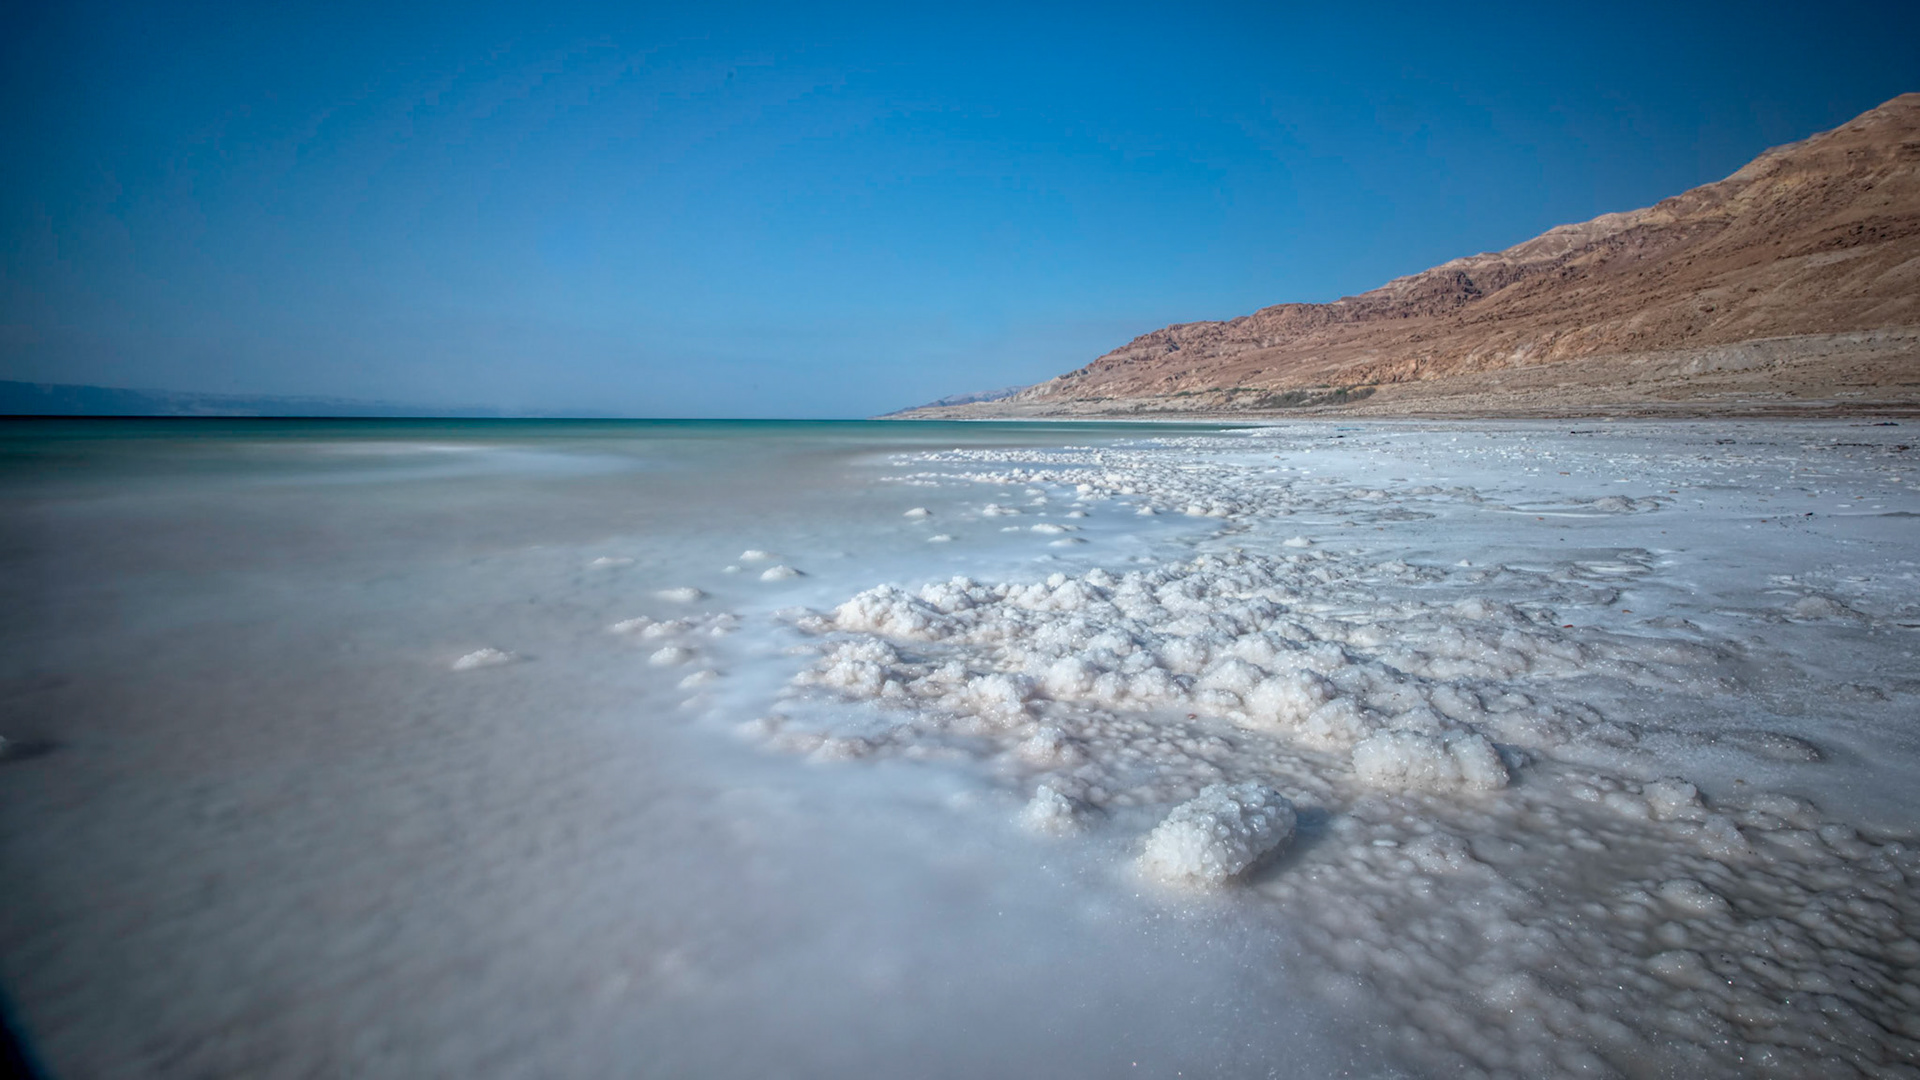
(482, 658)
(941, 538)
(1053, 814)
(918, 512)
(1218, 834)
(1620, 504)
(684, 595)
(756, 555)
(671, 655)
(1408, 759)
(1821, 607)
(1296, 542)
(779, 573)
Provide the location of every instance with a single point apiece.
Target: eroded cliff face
(1812, 251)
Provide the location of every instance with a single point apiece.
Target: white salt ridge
(480, 658)
(670, 656)
(918, 512)
(756, 555)
(1585, 921)
(685, 594)
(779, 573)
(1457, 760)
(1218, 834)
(1821, 607)
(940, 538)
(1050, 813)
(607, 561)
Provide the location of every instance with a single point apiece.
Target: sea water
(769, 749)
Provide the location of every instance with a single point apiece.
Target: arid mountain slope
(1795, 280)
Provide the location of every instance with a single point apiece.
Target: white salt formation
(685, 594)
(1601, 916)
(1409, 759)
(480, 658)
(1053, 814)
(779, 573)
(1596, 750)
(1218, 834)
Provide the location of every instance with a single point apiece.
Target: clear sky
(699, 209)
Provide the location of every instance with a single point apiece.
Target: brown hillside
(1795, 279)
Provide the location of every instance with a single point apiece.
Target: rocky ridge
(1792, 285)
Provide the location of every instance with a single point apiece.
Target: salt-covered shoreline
(1497, 754)
(1455, 749)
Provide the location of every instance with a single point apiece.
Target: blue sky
(784, 210)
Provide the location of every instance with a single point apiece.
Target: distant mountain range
(1792, 285)
(982, 397)
(61, 399)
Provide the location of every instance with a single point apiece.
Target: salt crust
(1053, 814)
(1590, 921)
(1218, 834)
(480, 658)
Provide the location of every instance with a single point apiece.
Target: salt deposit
(480, 658)
(1401, 692)
(1304, 750)
(1218, 834)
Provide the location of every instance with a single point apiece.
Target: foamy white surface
(1417, 749)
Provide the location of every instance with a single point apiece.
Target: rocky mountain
(1792, 284)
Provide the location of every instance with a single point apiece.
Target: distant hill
(1792, 284)
(61, 399)
(965, 399)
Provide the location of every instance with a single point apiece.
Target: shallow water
(323, 755)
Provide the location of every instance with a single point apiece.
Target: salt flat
(1395, 748)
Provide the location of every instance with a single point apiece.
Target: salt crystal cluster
(1218, 834)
